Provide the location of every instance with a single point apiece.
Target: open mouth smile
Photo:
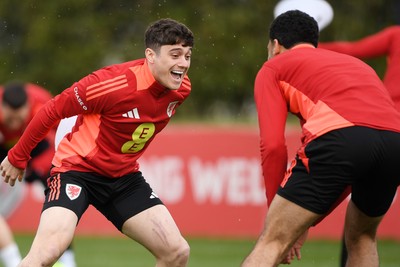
(177, 74)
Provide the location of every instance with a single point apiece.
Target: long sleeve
(36, 131)
(272, 113)
(375, 45)
(63, 105)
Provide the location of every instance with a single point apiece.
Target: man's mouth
(177, 74)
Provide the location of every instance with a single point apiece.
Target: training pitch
(103, 251)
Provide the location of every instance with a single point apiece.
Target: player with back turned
(350, 137)
(120, 108)
(383, 43)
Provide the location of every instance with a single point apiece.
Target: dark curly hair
(294, 27)
(168, 32)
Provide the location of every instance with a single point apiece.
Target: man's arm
(272, 113)
(375, 45)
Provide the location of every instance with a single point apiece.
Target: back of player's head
(294, 27)
(168, 32)
(15, 95)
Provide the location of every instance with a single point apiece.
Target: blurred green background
(55, 43)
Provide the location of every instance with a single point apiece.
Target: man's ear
(276, 48)
(150, 54)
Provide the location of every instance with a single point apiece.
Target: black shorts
(117, 199)
(365, 159)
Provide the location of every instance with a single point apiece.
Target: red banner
(210, 179)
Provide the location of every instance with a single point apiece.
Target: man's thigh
(287, 221)
(358, 223)
(154, 228)
(55, 231)
(129, 196)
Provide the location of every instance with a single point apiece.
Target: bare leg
(6, 237)
(9, 252)
(55, 232)
(360, 235)
(155, 229)
(284, 224)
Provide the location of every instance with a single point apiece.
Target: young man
(351, 137)
(19, 103)
(120, 109)
(383, 43)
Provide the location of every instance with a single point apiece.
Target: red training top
(326, 90)
(120, 110)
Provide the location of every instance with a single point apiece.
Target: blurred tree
(55, 43)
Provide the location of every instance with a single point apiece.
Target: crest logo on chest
(171, 107)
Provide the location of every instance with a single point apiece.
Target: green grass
(118, 251)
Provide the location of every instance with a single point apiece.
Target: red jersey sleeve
(375, 45)
(272, 114)
(45, 119)
(72, 101)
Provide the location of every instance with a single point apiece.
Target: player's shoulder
(119, 68)
(393, 29)
(110, 83)
(111, 77)
(35, 87)
(37, 92)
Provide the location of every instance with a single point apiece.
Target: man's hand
(10, 173)
(295, 250)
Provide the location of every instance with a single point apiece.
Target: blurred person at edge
(350, 139)
(19, 103)
(383, 43)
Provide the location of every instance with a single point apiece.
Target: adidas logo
(153, 195)
(133, 114)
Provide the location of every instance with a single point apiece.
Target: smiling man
(120, 109)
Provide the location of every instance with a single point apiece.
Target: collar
(145, 80)
(302, 46)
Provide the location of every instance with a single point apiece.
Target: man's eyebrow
(179, 49)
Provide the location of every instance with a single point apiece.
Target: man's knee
(45, 257)
(177, 254)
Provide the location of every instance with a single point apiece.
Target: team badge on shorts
(73, 191)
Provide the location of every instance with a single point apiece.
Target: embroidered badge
(171, 108)
(73, 191)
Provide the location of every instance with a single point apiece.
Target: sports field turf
(119, 251)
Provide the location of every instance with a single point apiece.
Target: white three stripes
(132, 114)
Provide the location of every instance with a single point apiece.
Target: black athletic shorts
(365, 159)
(117, 199)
